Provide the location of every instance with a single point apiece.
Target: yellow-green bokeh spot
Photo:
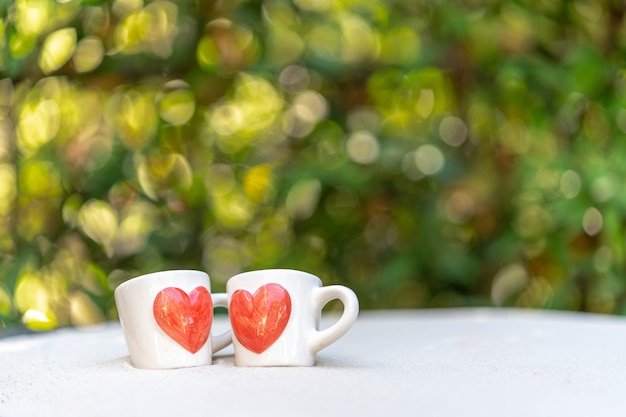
(39, 179)
(5, 302)
(134, 115)
(89, 54)
(320, 6)
(38, 123)
(34, 219)
(232, 210)
(303, 199)
(359, 42)
(129, 32)
(3, 31)
(71, 208)
(83, 310)
(159, 173)
(345, 39)
(8, 188)
(30, 292)
(224, 255)
(258, 184)
(150, 29)
(57, 49)
(272, 238)
(283, 46)
(207, 54)
(98, 220)
(177, 107)
(248, 117)
(162, 29)
(32, 16)
(32, 298)
(400, 46)
(21, 45)
(136, 224)
(39, 320)
(408, 98)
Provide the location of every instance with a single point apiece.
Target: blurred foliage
(424, 153)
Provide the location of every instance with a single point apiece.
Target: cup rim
(151, 275)
(243, 275)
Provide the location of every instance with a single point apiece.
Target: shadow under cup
(167, 318)
(275, 316)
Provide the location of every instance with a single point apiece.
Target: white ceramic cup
(167, 318)
(275, 316)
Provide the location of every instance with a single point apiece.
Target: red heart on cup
(185, 318)
(258, 320)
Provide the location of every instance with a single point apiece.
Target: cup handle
(321, 296)
(220, 341)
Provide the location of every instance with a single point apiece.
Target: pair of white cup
(167, 318)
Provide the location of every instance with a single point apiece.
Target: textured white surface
(477, 362)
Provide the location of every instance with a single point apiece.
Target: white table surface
(462, 362)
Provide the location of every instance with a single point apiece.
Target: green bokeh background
(423, 153)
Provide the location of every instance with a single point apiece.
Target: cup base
(272, 364)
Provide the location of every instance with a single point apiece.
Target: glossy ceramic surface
(167, 317)
(275, 316)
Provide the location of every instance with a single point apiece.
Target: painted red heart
(258, 320)
(185, 318)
